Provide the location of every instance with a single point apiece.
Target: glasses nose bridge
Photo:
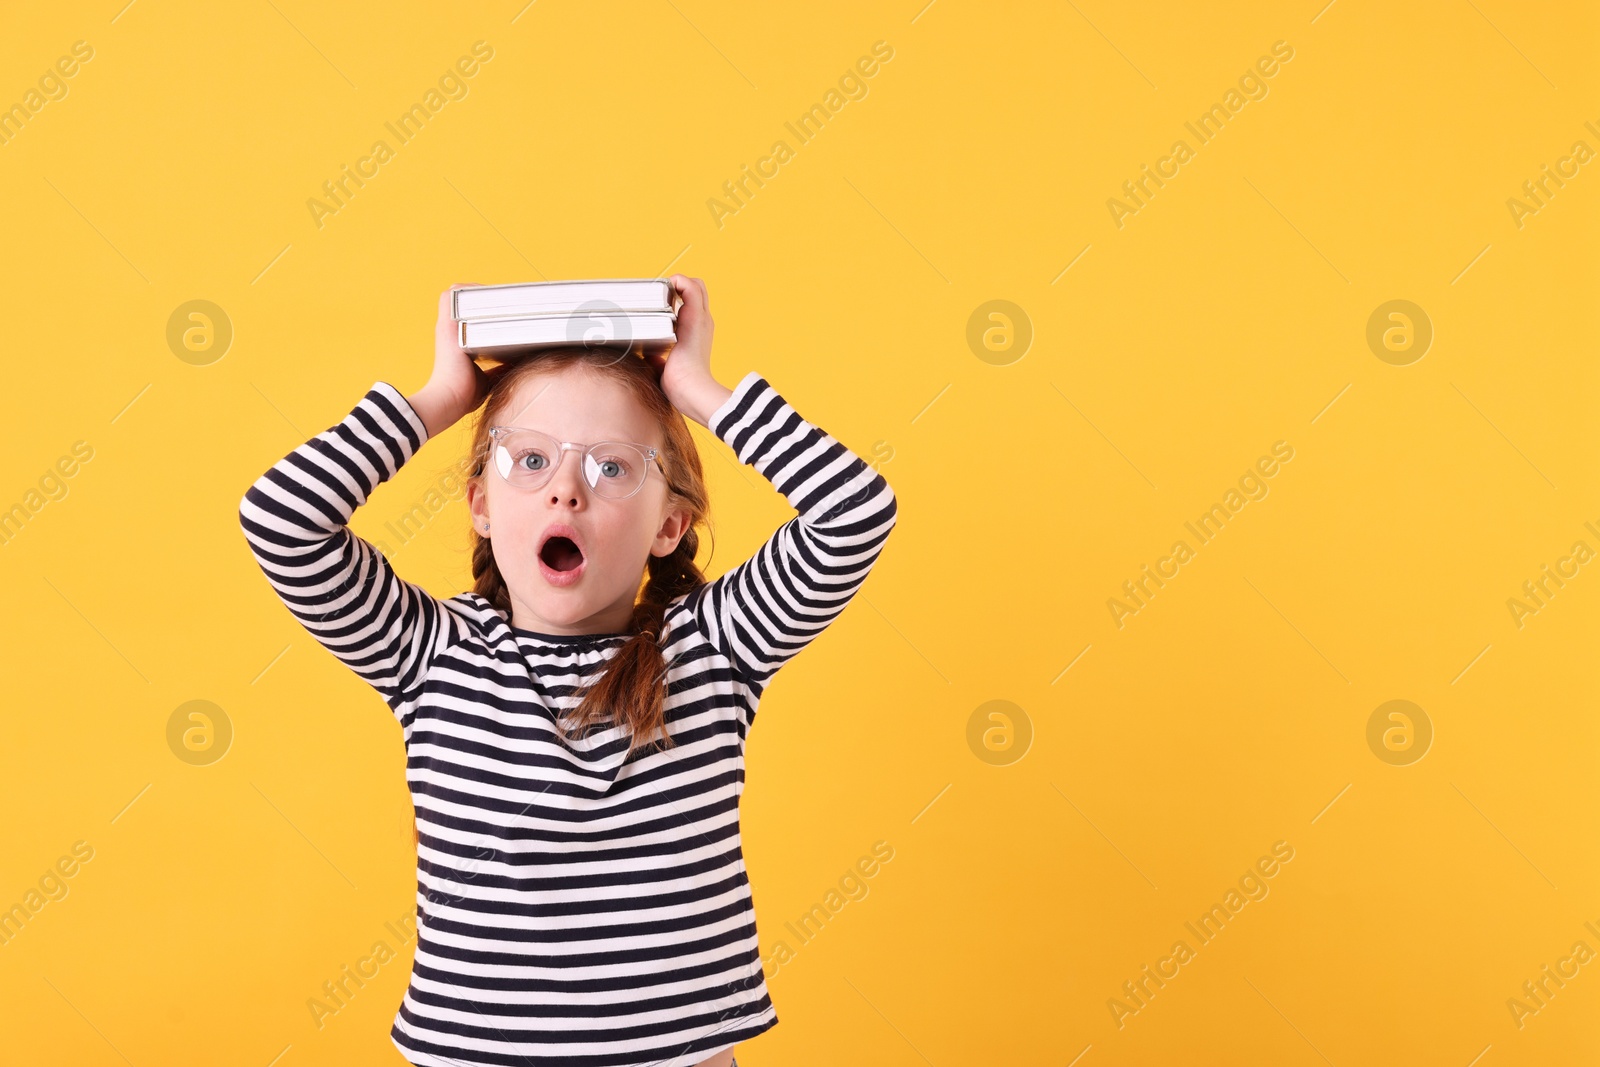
(555, 468)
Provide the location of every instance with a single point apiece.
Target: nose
(566, 485)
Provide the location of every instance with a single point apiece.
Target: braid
(670, 576)
(632, 688)
(486, 578)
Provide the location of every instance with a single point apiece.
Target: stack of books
(500, 321)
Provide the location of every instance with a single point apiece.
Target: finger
(692, 293)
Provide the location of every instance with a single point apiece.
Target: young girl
(574, 744)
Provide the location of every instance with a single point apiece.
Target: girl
(574, 743)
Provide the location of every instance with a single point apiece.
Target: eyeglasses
(613, 469)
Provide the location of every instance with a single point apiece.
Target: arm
(764, 611)
(338, 586)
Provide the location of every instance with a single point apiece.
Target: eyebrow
(614, 437)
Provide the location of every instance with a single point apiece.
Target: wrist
(701, 399)
(434, 408)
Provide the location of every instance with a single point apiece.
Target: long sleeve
(764, 611)
(340, 587)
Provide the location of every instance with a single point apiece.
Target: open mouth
(561, 553)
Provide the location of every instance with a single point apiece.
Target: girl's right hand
(458, 385)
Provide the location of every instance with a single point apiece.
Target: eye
(612, 466)
(532, 459)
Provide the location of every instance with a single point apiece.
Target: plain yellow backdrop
(1041, 859)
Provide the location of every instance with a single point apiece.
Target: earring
(485, 527)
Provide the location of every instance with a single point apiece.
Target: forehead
(576, 404)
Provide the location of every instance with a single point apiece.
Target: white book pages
(560, 297)
(612, 330)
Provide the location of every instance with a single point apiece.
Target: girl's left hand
(685, 368)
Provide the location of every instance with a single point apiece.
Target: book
(593, 329)
(563, 297)
(625, 313)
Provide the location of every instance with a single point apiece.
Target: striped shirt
(574, 907)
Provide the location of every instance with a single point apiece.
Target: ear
(478, 504)
(673, 527)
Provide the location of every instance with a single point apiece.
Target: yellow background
(1228, 314)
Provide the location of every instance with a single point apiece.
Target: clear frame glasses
(527, 458)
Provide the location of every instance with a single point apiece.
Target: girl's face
(617, 535)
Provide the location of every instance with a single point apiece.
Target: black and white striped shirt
(574, 909)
